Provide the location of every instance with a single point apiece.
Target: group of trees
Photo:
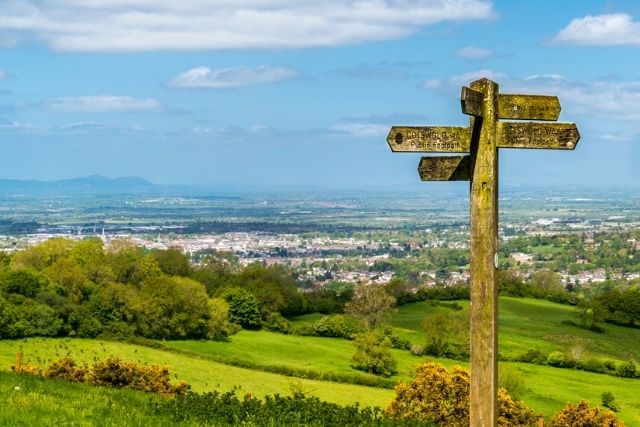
(86, 288)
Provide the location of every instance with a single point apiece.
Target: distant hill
(93, 184)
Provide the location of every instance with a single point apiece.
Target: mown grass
(202, 374)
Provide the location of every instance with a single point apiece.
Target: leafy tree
(370, 305)
(173, 262)
(218, 325)
(373, 354)
(173, 307)
(589, 313)
(243, 308)
(447, 334)
(23, 282)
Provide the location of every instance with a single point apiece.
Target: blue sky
(275, 93)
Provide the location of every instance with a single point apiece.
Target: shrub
(556, 359)
(609, 401)
(532, 356)
(610, 365)
(582, 415)
(510, 380)
(396, 341)
(66, 369)
(277, 323)
(626, 370)
(373, 355)
(228, 409)
(336, 325)
(116, 372)
(440, 397)
(593, 364)
(417, 350)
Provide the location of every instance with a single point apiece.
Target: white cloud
(466, 78)
(143, 25)
(362, 129)
(102, 104)
(601, 30)
(432, 84)
(472, 52)
(204, 77)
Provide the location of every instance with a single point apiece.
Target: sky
(296, 93)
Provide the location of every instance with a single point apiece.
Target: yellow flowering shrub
(437, 396)
(581, 415)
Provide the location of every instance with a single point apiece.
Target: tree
(173, 307)
(589, 313)
(447, 334)
(546, 280)
(243, 308)
(173, 262)
(373, 354)
(370, 305)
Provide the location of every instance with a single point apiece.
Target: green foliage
(277, 323)
(227, 409)
(626, 369)
(512, 381)
(532, 355)
(173, 262)
(373, 354)
(22, 282)
(609, 401)
(243, 308)
(172, 307)
(557, 359)
(447, 334)
(336, 326)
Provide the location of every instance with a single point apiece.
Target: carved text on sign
(441, 139)
(562, 136)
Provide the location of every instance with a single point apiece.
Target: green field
(524, 323)
(32, 401)
(202, 374)
(527, 323)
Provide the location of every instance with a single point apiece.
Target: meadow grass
(202, 374)
(527, 323)
(28, 400)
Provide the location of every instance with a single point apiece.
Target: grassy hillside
(32, 401)
(527, 323)
(201, 373)
(524, 324)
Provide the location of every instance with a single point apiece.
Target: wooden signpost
(483, 102)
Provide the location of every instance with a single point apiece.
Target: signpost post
(482, 139)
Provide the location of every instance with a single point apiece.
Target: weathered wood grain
(471, 101)
(528, 107)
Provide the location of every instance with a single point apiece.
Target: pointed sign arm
(559, 136)
(435, 139)
(445, 168)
